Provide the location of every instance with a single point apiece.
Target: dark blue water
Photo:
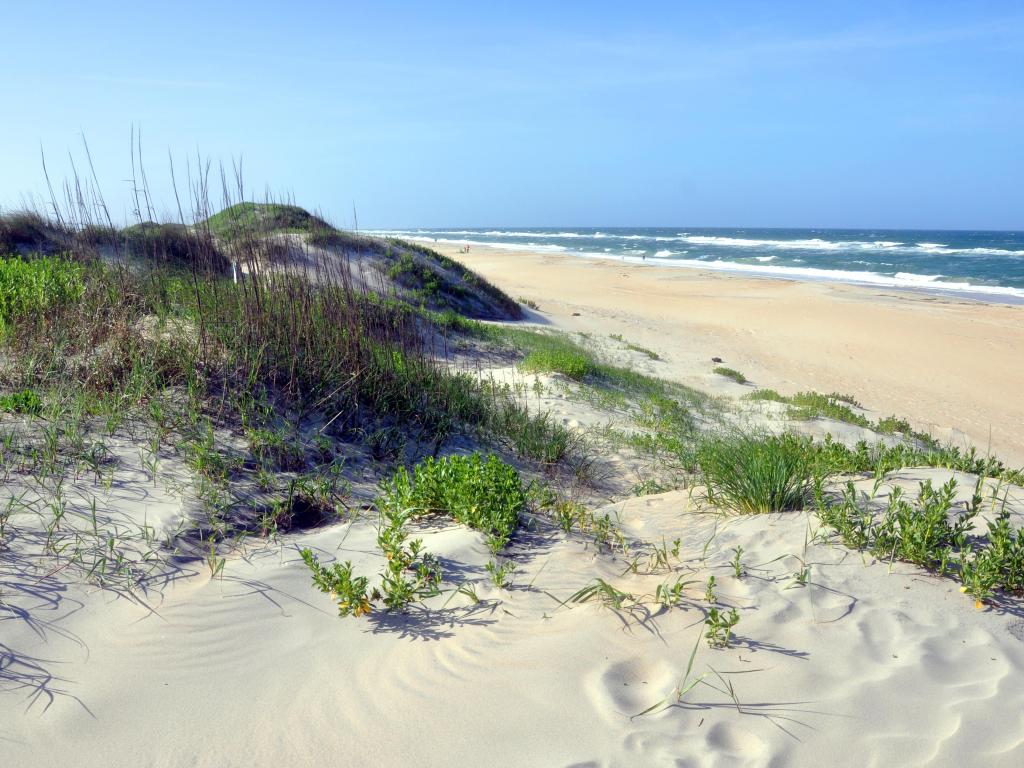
(986, 265)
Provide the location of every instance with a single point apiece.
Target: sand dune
(838, 658)
(255, 668)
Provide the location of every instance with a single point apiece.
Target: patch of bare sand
(866, 664)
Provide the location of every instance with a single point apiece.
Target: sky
(785, 114)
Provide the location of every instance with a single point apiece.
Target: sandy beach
(951, 366)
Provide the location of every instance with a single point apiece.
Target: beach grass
(756, 474)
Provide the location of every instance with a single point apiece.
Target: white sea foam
(719, 241)
(539, 247)
(665, 254)
(814, 243)
(899, 280)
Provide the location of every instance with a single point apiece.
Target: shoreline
(949, 364)
(994, 294)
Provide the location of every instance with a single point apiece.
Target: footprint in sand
(738, 742)
(627, 687)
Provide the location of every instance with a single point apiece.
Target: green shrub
(811, 405)
(766, 394)
(932, 532)
(408, 272)
(756, 474)
(485, 495)
(337, 581)
(731, 373)
(29, 288)
(26, 402)
(254, 219)
(509, 307)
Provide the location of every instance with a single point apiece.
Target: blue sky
(439, 114)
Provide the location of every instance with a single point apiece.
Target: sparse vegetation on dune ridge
(153, 333)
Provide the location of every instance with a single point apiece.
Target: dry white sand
(865, 665)
(869, 663)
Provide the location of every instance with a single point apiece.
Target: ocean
(984, 265)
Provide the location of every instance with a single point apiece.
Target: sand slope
(865, 665)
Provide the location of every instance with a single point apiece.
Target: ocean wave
(815, 243)
(527, 247)
(718, 241)
(708, 261)
(899, 280)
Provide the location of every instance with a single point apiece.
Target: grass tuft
(753, 474)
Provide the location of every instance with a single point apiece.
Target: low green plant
(648, 487)
(26, 402)
(921, 532)
(484, 494)
(409, 272)
(810, 405)
(671, 592)
(737, 564)
(336, 580)
(731, 373)
(410, 573)
(274, 448)
(500, 575)
(709, 590)
(802, 576)
(636, 347)
(30, 288)
(719, 627)
(933, 532)
(568, 514)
